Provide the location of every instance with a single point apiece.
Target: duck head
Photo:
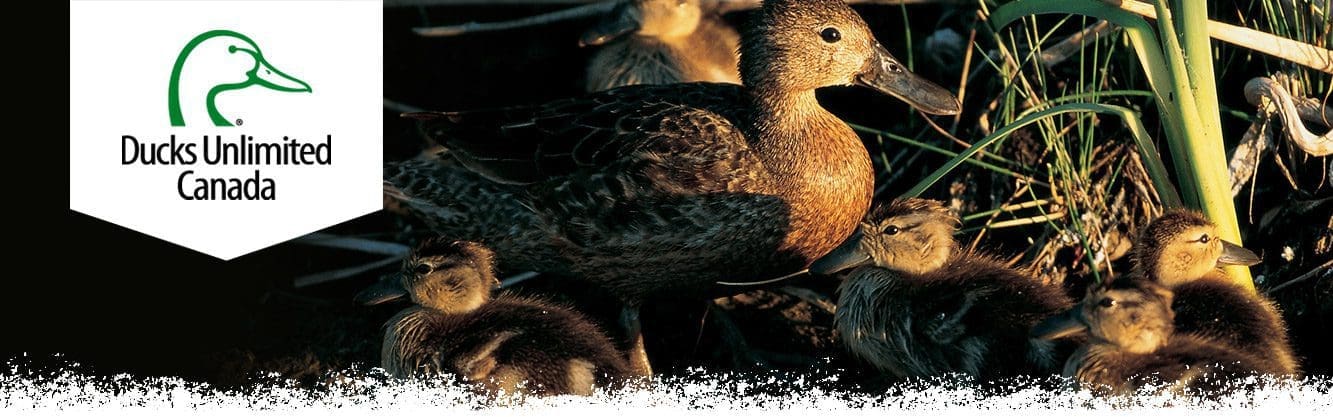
(911, 235)
(1130, 315)
(449, 276)
(219, 61)
(648, 18)
(1183, 246)
(802, 45)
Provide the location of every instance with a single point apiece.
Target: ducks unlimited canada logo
(212, 63)
(244, 154)
(244, 53)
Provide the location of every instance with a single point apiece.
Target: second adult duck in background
(916, 305)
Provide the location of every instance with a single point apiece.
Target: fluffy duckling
(662, 42)
(1132, 344)
(1182, 252)
(507, 344)
(916, 305)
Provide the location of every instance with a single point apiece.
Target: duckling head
(662, 19)
(1183, 246)
(797, 46)
(449, 276)
(911, 235)
(1130, 315)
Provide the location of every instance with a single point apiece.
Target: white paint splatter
(72, 392)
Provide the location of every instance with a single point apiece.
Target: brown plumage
(508, 344)
(916, 305)
(1133, 345)
(662, 42)
(1181, 251)
(651, 190)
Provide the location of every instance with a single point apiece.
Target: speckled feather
(671, 184)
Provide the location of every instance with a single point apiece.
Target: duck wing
(531, 144)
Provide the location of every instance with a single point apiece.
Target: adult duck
(915, 305)
(1181, 251)
(663, 190)
(661, 42)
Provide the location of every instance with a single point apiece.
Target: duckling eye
(1204, 238)
(422, 269)
(1106, 303)
(891, 230)
(830, 35)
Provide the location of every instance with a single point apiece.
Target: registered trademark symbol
(239, 122)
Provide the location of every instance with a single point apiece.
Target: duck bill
(1233, 254)
(1066, 324)
(266, 75)
(386, 290)
(885, 74)
(622, 21)
(850, 254)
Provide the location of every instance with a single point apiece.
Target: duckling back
(1236, 317)
(970, 316)
(511, 344)
(1190, 364)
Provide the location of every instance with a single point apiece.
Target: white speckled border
(70, 392)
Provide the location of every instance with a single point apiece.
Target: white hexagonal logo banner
(225, 126)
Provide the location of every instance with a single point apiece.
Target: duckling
(917, 305)
(1181, 251)
(664, 190)
(662, 42)
(1132, 343)
(507, 344)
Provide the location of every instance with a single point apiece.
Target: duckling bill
(915, 305)
(506, 344)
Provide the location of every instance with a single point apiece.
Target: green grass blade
(1156, 170)
(1147, 48)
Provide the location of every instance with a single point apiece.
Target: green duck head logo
(219, 61)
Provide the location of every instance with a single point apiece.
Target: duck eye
(891, 230)
(830, 35)
(422, 269)
(1204, 238)
(1106, 303)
